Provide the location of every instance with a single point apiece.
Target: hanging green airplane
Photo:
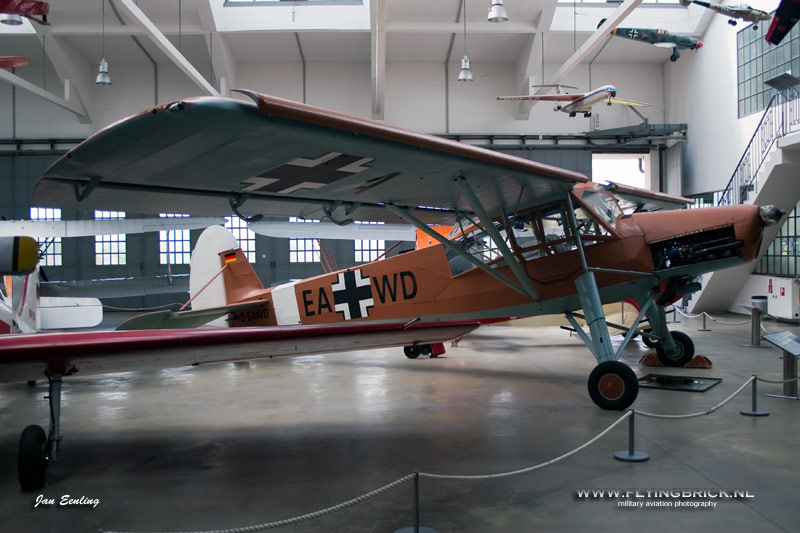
(658, 38)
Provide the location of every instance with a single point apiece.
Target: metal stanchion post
(754, 411)
(416, 528)
(631, 455)
(704, 323)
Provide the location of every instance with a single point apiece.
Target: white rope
(711, 317)
(315, 514)
(701, 413)
(530, 468)
(777, 381)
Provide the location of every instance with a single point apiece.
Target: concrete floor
(236, 445)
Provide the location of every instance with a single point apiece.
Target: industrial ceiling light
(11, 20)
(466, 71)
(102, 76)
(497, 13)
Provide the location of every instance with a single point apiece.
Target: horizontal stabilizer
(184, 319)
(329, 230)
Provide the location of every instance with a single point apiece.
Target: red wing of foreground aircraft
(529, 239)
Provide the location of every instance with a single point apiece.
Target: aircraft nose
(770, 214)
(699, 45)
(612, 92)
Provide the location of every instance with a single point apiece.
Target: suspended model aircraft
(30, 9)
(786, 16)
(531, 239)
(739, 11)
(658, 38)
(580, 102)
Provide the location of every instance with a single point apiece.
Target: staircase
(767, 173)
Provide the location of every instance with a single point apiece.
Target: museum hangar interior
(237, 444)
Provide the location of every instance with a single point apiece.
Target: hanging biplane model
(786, 16)
(739, 11)
(578, 102)
(529, 239)
(658, 38)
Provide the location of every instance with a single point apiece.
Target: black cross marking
(351, 294)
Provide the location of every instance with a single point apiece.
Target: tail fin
(600, 23)
(205, 265)
(24, 294)
(217, 248)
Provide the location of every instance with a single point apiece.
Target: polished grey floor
(241, 444)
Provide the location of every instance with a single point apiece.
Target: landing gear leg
(35, 450)
(675, 347)
(612, 385)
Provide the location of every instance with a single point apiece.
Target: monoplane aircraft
(658, 38)
(529, 239)
(786, 16)
(579, 102)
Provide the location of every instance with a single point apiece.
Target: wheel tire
(650, 343)
(613, 386)
(412, 352)
(31, 459)
(684, 353)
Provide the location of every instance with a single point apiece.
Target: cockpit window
(604, 206)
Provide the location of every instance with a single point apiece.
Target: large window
(303, 250)
(109, 249)
(782, 258)
(246, 237)
(369, 249)
(174, 246)
(758, 61)
(50, 247)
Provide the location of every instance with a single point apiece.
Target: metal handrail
(769, 129)
(780, 118)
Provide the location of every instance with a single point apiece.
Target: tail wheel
(31, 459)
(682, 354)
(613, 386)
(650, 343)
(412, 352)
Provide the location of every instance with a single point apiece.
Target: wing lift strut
(523, 283)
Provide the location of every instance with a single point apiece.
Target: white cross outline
(364, 304)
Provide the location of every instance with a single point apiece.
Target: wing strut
(488, 227)
(411, 219)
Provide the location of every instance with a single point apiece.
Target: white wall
(701, 90)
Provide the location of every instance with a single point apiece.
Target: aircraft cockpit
(540, 232)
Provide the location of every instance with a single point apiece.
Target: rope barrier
(530, 468)
(686, 315)
(701, 413)
(777, 381)
(315, 514)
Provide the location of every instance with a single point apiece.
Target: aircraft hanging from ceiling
(786, 16)
(528, 239)
(13, 61)
(658, 38)
(31, 9)
(739, 11)
(578, 102)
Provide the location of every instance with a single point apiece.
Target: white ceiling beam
(223, 61)
(377, 23)
(401, 26)
(86, 29)
(72, 70)
(585, 50)
(13, 79)
(135, 14)
(527, 68)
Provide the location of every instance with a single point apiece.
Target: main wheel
(412, 352)
(674, 57)
(683, 353)
(31, 459)
(613, 386)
